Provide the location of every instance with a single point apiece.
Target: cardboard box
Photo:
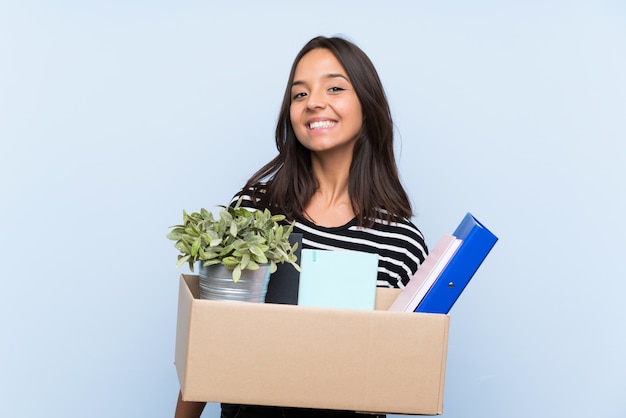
(286, 355)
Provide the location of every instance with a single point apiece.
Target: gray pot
(216, 283)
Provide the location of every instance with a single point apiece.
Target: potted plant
(236, 251)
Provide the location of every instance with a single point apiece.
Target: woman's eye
(335, 89)
(299, 95)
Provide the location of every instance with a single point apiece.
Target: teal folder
(338, 279)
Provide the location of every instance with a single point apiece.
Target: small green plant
(239, 238)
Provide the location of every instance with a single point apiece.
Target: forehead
(318, 63)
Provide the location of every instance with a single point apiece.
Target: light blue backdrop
(114, 116)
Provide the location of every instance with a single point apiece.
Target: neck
(331, 173)
(330, 205)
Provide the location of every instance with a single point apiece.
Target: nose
(315, 100)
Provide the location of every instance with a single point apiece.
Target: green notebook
(338, 279)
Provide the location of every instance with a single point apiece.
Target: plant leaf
(195, 246)
(230, 262)
(182, 260)
(245, 260)
(259, 255)
(236, 273)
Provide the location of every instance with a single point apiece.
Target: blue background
(114, 116)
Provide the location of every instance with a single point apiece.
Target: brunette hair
(286, 184)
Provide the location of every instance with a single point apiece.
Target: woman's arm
(188, 409)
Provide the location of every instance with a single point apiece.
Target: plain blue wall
(114, 116)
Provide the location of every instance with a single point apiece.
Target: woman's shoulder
(250, 197)
(398, 225)
(402, 232)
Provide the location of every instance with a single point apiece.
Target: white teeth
(322, 124)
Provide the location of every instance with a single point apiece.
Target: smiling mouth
(322, 124)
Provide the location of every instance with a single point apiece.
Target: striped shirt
(400, 245)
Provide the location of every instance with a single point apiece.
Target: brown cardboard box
(286, 355)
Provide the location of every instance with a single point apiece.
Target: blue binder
(477, 243)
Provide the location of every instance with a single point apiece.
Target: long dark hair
(286, 184)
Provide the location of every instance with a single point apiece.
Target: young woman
(335, 175)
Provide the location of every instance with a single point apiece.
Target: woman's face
(325, 111)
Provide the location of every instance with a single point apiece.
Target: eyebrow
(327, 76)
